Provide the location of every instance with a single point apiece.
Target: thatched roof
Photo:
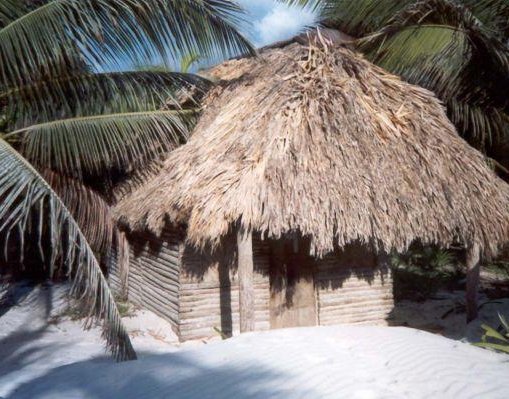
(316, 139)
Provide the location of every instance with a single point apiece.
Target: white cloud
(281, 23)
(273, 22)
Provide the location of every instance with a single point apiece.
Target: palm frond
(188, 61)
(431, 55)
(113, 32)
(493, 14)
(360, 16)
(98, 145)
(317, 6)
(93, 214)
(90, 211)
(458, 49)
(443, 46)
(377, 23)
(10, 10)
(89, 94)
(482, 126)
(23, 190)
(454, 16)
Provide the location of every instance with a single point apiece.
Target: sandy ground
(60, 360)
(36, 335)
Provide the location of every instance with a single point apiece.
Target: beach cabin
(306, 168)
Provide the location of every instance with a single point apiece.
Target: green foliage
(500, 267)
(421, 271)
(119, 141)
(188, 61)
(426, 258)
(71, 114)
(106, 32)
(89, 94)
(221, 333)
(496, 339)
(124, 308)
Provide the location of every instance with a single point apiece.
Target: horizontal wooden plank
(355, 296)
(187, 287)
(340, 314)
(356, 308)
(208, 332)
(189, 325)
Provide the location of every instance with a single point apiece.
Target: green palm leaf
(490, 345)
(490, 332)
(443, 46)
(98, 145)
(24, 191)
(111, 32)
(10, 10)
(188, 61)
(87, 94)
(493, 14)
(486, 125)
(361, 16)
(429, 55)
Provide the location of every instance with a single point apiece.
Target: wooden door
(292, 290)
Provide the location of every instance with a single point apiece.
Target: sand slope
(331, 362)
(318, 362)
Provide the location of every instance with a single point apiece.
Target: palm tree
(73, 118)
(456, 48)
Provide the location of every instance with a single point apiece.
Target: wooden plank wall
(115, 276)
(117, 264)
(352, 288)
(209, 295)
(154, 273)
(198, 291)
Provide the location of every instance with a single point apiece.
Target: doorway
(292, 287)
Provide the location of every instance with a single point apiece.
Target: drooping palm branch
(71, 112)
(94, 145)
(87, 94)
(24, 191)
(456, 48)
(88, 208)
(109, 32)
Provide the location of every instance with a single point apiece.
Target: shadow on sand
(174, 375)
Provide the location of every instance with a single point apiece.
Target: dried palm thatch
(314, 138)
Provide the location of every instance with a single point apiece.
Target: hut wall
(199, 292)
(115, 277)
(209, 291)
(353, 287)
(153, 281)
(117, 264)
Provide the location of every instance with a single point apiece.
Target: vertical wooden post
(246, 290)
(473, 272)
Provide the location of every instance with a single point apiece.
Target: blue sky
(272, 21)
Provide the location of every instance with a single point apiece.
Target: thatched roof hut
(315, 139)
(308, 149)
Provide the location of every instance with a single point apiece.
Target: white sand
(62, 361)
